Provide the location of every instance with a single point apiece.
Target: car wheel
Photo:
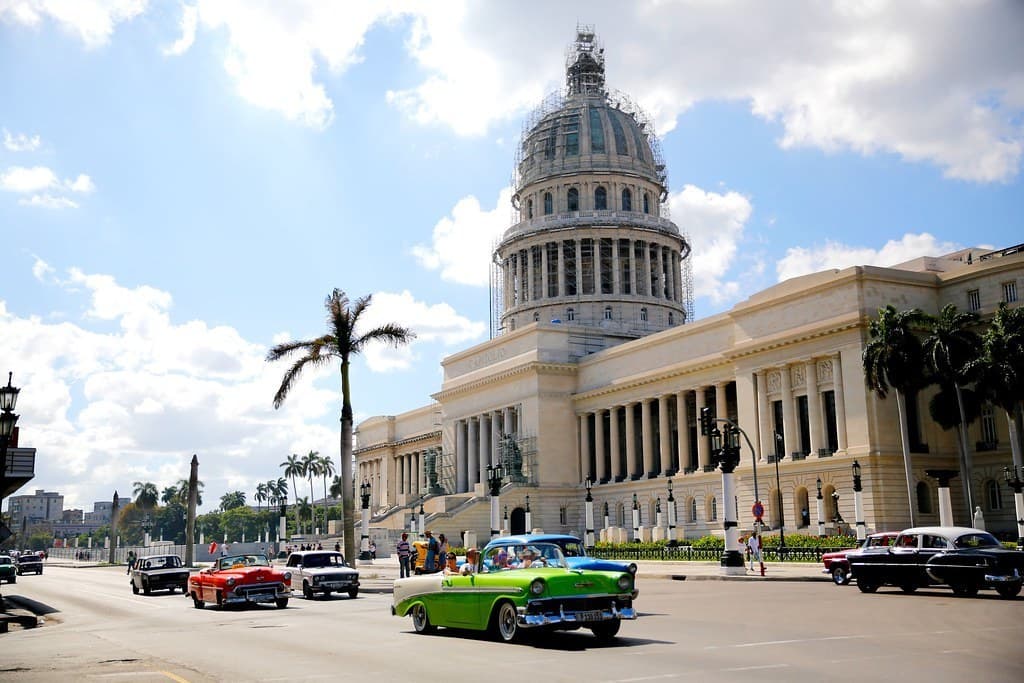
(840, 576)
(965, 590)
(908, 587)
(1009, 592)
(505, 624)
(420, 620)
(219, 599)
(135, 589)
(145, 587)
(307, 592)
(13, 579)
(196, 602)
(281, 603)
(171, 589)
(327, 594)
(353, 592)
(606, 630)
(866, 586)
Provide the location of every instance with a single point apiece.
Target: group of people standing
(438, 555)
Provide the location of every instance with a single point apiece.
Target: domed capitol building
(596, 373)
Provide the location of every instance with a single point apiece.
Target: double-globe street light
(821, 510)
(8, 401)
(725, 452)
(495, 475)
(588, 506)
(779, 450)
(364, 538)
(858, 503)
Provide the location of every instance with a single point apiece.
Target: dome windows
(529, 208)
(570, 314)
(619, 134)
(548, 204)
(573, 199)
(600, 199)
(607, 312)
(572, 136)
(596, 132)
(647, 203)
(627, 200)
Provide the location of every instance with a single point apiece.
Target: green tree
(261, 494)
(293, 469)
(169, 494)
(893, 358)
(341, 342)
(232, 499)
(326, 471)
(1000, 368)
(311, 465)
(146, 494)
(182, 488)
(950, 347)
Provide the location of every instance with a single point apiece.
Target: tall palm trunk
(965, 455)
(347, 506)
(901, 407)
(298, 522)
(312, 506)
(325, 503)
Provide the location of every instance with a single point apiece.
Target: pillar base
(732, 563)
(364, 556)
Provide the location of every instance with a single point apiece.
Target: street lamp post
(588, 507)
(726, 451)
(529, 516)
(707, 427)
(636, 519)
(671, 513)
(659, 516)
(147, 525)
(1017, 485)
(858, 503)
(364, 537)
(495, 473)
(504, 520)
(422, 515)
(607, 520)
(282, 522)
(837, 517)
(821, 510)
(779, 443)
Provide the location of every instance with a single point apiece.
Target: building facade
(593, 374)
(41, 506)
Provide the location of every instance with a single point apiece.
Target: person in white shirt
(754, 551)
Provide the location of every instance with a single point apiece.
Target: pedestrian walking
(131, 561)
(442, 548)
(432, 562)
(754, 551)
(403, 551)
(373, 550)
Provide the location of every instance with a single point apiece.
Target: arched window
(607, 312)
(536, 316)
(993, 495)
(600, 199)
(693, 509)
(647, 203)
(548, 204)
(713, 515)
(671, 318)
(627, 200)
(643, 315)
(573, 198)
(529, 208)
(570, 314)
(924, 498)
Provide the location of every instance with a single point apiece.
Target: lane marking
(755, 668)
(174, 677)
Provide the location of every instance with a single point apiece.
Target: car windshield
(523, 556)
(239, 561)
(5, 560)
(324, 560)
(161, 562)
(976, 540)
(573, 549)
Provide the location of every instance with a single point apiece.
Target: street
(687, 630)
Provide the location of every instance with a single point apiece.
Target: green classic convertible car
(514, 588)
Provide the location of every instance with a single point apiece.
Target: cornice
(848, 321)
(535, 367)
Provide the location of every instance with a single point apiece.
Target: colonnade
(594, 265)
(478, 444)
(659, 436)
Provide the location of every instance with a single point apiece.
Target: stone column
(677, 273)
(520, 274)
(601, 469)
(585, 446)
(417, 469)
(613, 424)
(632, 464)
(647, 436)
(683, 428)
(579, 266)
(544, 271)
(837, 385)
(529, 275)
(560, 286)
(789, 431)
(647, 269)
(664, 440)
(721, 404)
(461, 456)
(616, 268)
(764, 417)
(813, 405)
(634, 277)
(484, 450)
(703, 448)
(498, 431)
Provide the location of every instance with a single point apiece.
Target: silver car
(322, 571)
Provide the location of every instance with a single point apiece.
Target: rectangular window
(831, 429)
(805, 424)
(778, 427)
(569, 257)
(563, 517)
(596, 132)
(988, 427)
(1009, 292)
(917, 444)
(606, 265)
(551, 142)
(973, 300)
(625, 276)
(572, 136)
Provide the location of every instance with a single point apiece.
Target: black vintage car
(159, 572)
(962, 558)
(30, 563)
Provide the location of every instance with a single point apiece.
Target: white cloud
(92, 20)
(21, 142)
(82, 183)
(461, 244)
(804, 260)
(48, 201)
(715, 224)
(40, 178)
(189, 22)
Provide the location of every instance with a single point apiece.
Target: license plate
(261, 597)
(596, 615)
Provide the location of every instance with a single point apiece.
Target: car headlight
(631, 568)
(231, 581)
(287, 576)
(537, 586)
(316, 579)
(625, 582)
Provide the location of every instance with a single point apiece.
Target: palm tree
(303, 507)
(336, 488)
(293, 468)
(169, 495)
(949, 347)
(146, 494)
(231, 500)
(1000, 368)
(261, 494)
(340, 343)
(326, 471)
(892, 358)
(182, 488)
(311, 465)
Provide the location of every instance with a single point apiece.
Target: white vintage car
(322, 571)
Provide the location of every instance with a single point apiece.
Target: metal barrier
(686, 553)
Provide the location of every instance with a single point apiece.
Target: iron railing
(686, 553)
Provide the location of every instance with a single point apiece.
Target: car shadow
(947, 593)
(34, 606)
(561, 641)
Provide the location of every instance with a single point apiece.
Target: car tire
(866, 586)
(135, 589)
(840, 576)
(965, 590)
(307, 592)
(327, 594)
(353, 592)
(171, 589)
(420, 620)
(196, 602)
(13, 579)
(281, 603)
(1008, 592)
(219, 599)
(145, 588)
(505, 624)
(606, 630)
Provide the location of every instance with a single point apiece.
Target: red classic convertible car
(240, 579)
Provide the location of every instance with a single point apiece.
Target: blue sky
(182, 184)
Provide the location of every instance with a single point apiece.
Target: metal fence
(686, 553)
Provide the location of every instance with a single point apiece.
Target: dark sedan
(962, 558)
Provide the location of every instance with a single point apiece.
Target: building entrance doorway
(517, 521)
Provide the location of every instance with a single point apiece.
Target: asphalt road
(687, 631)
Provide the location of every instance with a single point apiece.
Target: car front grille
(577, 604)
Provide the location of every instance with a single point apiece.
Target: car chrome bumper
(256, 597)
(1003, 579)
(574, 617)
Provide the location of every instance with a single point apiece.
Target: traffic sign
(758, 510)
